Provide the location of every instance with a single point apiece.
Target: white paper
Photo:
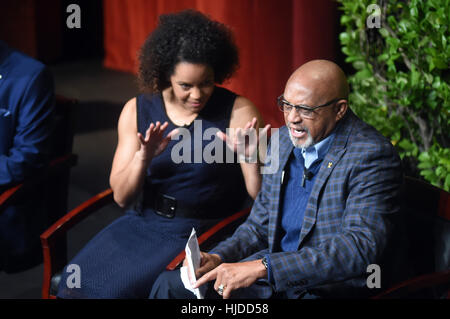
(193, 258)
(185, 279)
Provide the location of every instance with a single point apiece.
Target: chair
(53, 180)
(427, 212)
(427, 222)
(54, 249)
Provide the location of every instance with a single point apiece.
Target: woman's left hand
(245, 141)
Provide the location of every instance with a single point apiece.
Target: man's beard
(309, 140)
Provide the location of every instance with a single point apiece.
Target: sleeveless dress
(125, 258)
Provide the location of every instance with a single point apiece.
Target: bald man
(328, 212)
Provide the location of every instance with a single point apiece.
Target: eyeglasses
(303, 110)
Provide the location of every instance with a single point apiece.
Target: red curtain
(274, 38)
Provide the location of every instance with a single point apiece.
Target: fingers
(263, 132)
(251, 124)
(203, 258)
(230, 141)
(141, 138)
(172, 133)
(239, 136)
(165, 141)
(227, 292)
(204, 267)
(164, 126)
(265, 129)
(148, 133)
(222, 136)
(158, 127)
(220, 285)
(202, 270)
(205, 278)
(154, 130)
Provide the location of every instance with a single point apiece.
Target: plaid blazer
(347, 223)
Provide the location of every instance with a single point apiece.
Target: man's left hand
(233, 276)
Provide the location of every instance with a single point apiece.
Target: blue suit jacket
(26, 106)
(348, 219)
(26, 123)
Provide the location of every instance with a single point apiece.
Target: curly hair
(186, 36)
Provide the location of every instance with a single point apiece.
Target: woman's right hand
(154, 142)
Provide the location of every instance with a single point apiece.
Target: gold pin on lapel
(330, 164)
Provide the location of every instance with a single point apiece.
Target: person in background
(26, 125)
(181, 63)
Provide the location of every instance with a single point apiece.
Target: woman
(180, 63)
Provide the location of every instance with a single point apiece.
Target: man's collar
(317, 151)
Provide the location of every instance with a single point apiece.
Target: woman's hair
(187, 36)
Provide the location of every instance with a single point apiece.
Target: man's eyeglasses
(303, 110)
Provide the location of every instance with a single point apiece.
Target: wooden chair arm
(49, 239)
(415, 284)
(8, 195)
(208, 234)
(77, 214)
(13, 194)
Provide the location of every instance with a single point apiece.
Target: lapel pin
(330, 164)
(282, 177)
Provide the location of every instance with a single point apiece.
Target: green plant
(401, 79)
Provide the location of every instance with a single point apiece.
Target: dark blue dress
(125, 258)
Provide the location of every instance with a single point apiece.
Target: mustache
(298, 127)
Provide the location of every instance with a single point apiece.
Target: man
(26, 121)
(327, 213)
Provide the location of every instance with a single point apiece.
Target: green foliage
(435, 164)
(401, 79)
